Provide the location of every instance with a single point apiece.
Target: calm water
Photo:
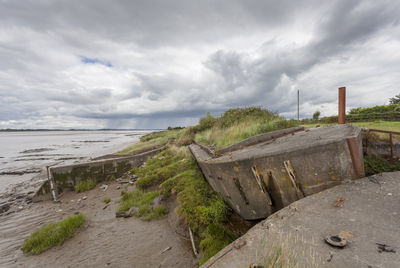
(29, 152)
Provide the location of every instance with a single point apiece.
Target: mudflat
(104, 241)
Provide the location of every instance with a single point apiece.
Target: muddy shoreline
(105, 241)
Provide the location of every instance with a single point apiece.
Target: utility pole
(298, 105)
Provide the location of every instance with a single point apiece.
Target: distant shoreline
(73, 129)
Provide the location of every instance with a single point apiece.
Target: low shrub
(84, 186)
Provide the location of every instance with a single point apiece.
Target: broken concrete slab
(261, 178)
(368, 220)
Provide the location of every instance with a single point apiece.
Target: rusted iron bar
(355, 157)
(342, 105)
(384, 131)
(391, 147)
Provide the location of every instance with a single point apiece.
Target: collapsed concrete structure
(267, 172)
(66, 177)
(364, 212)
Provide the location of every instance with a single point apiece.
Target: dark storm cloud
(151, 63)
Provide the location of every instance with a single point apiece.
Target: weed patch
(53, 234)
(84, 186)
(374, 164)
(107, 200)
(144, 202)
(216, 237)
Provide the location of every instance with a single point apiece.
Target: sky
(157, 63)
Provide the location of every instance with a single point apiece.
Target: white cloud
(153, 64)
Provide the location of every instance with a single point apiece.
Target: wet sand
(105, 241)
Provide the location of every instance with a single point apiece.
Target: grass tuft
(107, 200)
(84, 186)
(53, 234)
(216, 237)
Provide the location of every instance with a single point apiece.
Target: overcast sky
(154, 64)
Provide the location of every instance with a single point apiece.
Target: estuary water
(25, 154)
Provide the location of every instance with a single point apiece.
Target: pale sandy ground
(105, 241)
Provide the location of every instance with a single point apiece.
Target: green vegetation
(374, 164)
(143, 201)
(216, 237)
(53, 234)
(153, 140)
(176, 173)
(84, 186)
(107, 200)
(236, 125)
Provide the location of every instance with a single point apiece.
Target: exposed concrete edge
(126, 157)
(201, 157)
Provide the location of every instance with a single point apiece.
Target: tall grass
(153, 140)
(238, 124)
(53, 234)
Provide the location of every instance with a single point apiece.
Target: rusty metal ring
(336, 241)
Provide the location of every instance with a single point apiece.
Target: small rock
(104, 187)
(84, 198)
(76, 212)
(389, 194)
(4, 208)
(79, 200)
(72, 200)
(161, 158)
(20, 207)
(60, 210)
(118, 187)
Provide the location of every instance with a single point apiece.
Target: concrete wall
(257, 185)
(64, 178)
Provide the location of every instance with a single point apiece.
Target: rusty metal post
(391, 147)
(356, 157)
(342, 105)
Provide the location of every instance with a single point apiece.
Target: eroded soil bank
(105, 241)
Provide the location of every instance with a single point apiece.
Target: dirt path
(105, 241)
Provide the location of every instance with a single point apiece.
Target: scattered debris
(339, 202)
(385, 248)
(166, 249)
(104, 187)
(192, 240)
(127, 214)
(239, 243)
(330, 256)
(118, 187)
(106, 207)
(336, 241)
(84, 198)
